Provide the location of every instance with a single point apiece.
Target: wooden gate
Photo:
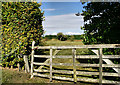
(95, 48)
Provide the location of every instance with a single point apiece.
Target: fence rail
(74, 71)
(80, 56)
(79, 46)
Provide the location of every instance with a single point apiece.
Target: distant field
(55, 42)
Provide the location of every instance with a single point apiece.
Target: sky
(60, 17)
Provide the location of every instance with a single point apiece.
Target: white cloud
(63, 23)
(48, 9)
(73, 33)
(55, 33)
(67, 33)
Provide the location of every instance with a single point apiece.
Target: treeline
(68, 37)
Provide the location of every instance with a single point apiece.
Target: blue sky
(60, 17)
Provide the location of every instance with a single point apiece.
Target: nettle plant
(21, 24)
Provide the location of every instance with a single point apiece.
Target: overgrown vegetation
(21, 23)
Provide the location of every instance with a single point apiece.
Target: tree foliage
(61, 36)
(102, 23)
(21, 22)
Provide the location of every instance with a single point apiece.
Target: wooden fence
(75, 73)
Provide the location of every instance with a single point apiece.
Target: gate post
(51, 64)
(27, 70)
(32, 58)
(18, 63)
(100, 66)
(74, 66)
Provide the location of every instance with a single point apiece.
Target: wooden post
(74, 66)
(18, 64)
(26, 64)
(11, 66)
(100, 66)
(32, 58)
(51, 65)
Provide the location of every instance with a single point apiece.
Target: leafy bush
(61, 36)
(21, 22)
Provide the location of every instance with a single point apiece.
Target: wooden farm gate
(95, 48)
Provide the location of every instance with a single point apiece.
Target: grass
(55, 42)
(13, 76)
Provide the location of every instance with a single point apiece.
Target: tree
(102, 22)
(102, 25)
(72, 37)
(61, 36)
(21, 22)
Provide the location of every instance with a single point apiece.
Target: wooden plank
(110, 74)
(100, 66)
(97, 65)
(63, 78)
(97, 81)
(62, 64)
(39, 70)
(42, 75)
(55, 77)
(35, 63)
(74, 66)
(96, 57)
(86, 65)
(42, 56)
(32, 58)
(97, 73)
(63, 56)
(110, 82)
(88, 56)
(88, 80)
(80, 46)
(79, 72)
(111, 56)
(55, 71)
(51, 65)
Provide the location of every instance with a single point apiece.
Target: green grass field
(55, 42)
